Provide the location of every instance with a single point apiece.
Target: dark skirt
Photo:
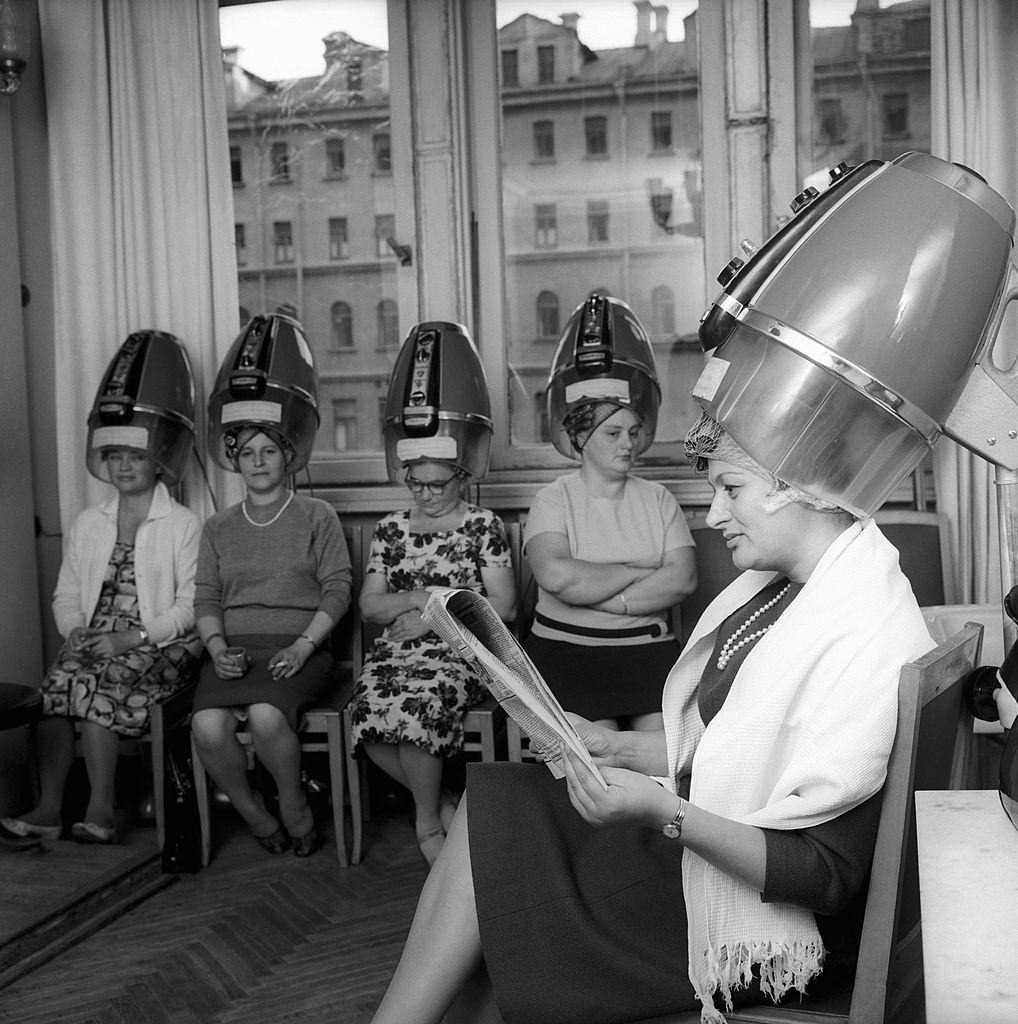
(604, 682)
(292, 696)
(578, 925)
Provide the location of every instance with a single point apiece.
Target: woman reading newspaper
(723, 864)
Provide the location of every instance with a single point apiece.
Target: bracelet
(673, 828)
(304, 636)
(625, 604)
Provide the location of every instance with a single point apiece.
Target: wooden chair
(321, 730)
(888, 978)
(484, 725)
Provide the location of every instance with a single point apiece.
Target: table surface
(968, 885)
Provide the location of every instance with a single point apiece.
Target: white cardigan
(165, 559)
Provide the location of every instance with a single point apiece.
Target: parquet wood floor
(252, 939)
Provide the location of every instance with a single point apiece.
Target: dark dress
(588, 926)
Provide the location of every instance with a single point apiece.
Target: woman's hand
(408, 626)
(225, 666)
(599, 741)
(76, 639)
(110, 645)
(289, 661)
(630, 797)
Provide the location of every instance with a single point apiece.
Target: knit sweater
(272, 579)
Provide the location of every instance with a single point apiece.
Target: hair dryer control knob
(979, 690)
(735, 264)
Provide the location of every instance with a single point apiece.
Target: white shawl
(803, 736)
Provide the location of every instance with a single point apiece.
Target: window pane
(608, 213)
(871, 83)
(310, 140)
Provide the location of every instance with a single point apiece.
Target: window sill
(596, 156)
(280, 181)
(543, 160)
(661, 152)
(381, 174)
(339, 176)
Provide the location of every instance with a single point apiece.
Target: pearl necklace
(733, 643)
(243, 508)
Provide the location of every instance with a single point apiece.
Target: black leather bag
(182, 845)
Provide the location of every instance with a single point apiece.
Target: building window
(342, 325)
(895, 114)
(510, 69)
(545, 65)
(245, 316)
(344, 424)
(917, 34)
(388, 324)
(541, 409)
(545, 226)
(338, 242)
(335, 158)
(544, 140)
(282, 241)
(662, 311)
(385, 228)
(240, 244)
(279, 156)
(831, 121)
(597, 220)
(595, 131)
(354, 75)
(383, 153)
(661, 131)
(236, 166)
(547, 315)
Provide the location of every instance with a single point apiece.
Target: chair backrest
(924, 551)
(931, 712)
(345, 635)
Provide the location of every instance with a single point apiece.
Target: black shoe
(15, 843)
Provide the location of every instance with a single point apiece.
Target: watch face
(671, 830)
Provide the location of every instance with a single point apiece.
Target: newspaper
(466, 621)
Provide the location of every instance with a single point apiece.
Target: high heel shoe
(278, 842)
(305, 845)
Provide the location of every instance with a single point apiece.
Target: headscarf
(235, 437)
(582, 420)
(708, 439)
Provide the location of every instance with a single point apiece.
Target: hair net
(235, 437)
(708, 439)
(583, 419)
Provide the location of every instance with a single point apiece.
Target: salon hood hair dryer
(145, 401)
(268, 379)
(865, 328)
(603, 354)
(438, 405)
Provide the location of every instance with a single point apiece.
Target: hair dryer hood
(862, 330)
(603, 354)
(267, 379)
(438, 405)
(145, 401)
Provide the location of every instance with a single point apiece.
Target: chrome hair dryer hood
(267, 378)
(864, 328)
(145, 401)
(603, 354)
(438, 405)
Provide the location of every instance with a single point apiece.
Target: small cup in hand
(238, 655)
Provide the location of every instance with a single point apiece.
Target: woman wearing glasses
(413, 692)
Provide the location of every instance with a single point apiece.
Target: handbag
(182, 841)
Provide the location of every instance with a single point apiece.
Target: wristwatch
(673, 829)
(144, 634)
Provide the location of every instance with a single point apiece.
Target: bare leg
(54, 738)
(278, 748)
(386, 756)
(215, 736)
(101, 748)
(653, 722)
(424, 779)
(608, 723)
(443, 948)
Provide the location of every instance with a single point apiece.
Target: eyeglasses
(433, 487)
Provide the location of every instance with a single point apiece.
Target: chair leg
(487, 731)
(337, 755)
(514, 739)
(157, 741)
(353, 781)
(201, 792)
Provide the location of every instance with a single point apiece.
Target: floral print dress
(116, 693)
(417, 691)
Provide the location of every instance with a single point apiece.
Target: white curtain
(974, 97)
(142, 206)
